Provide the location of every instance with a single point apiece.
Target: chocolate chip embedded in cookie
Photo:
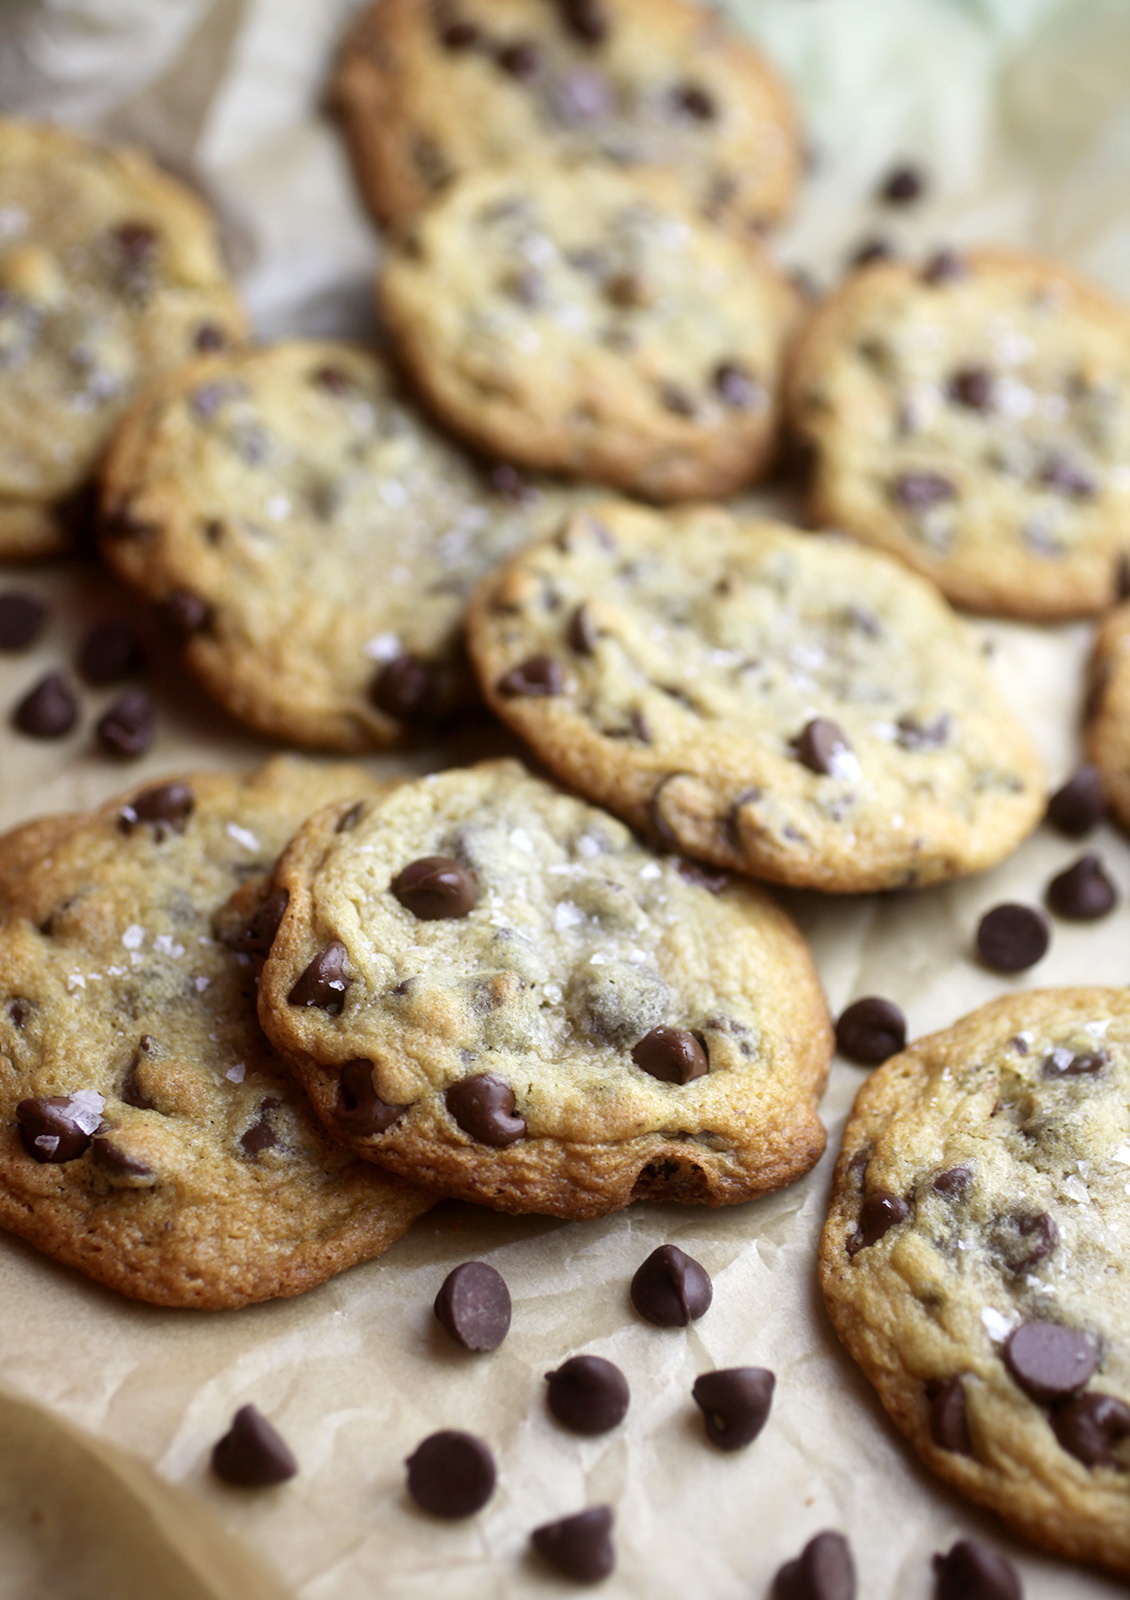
(148, 1135)
(1108, 732)
(973, 1264)
(643, 350)
(530, 1008)
(793, 706)
(975, 421)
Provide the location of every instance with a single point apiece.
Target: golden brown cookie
(1108, 732)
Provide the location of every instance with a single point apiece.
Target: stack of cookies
(252, 1026)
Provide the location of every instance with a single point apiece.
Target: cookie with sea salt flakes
(973, 417)
(311, 539)
(787, 704)
(1108, 732)
(109, 274)
(431, 90)
(974, 1260)
(493, 987)
(149, 1135)
(588, 322)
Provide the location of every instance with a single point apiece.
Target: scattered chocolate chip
(578, 1547)
(677, 399)
(1079, 805)
(360, 1111)
(323, 983)
(949, 1422)
(824, 1570)
(405, 688)
(167, 807)
(58, 1128)
(735, 1404)
(1083, 891)
(109, 653)
(539, 675)
(257, 935)
(738, 387)
(436, 889)
(1067, 477)
(1025, 1239)
(585, 19)
(587, 1394)
(673, 1055)
(126, 728)
(521, 60)
(879, 1212)
(460, 35)
(261, 1135)
(671, 1289)
(253, 1454)
(914, 735)
(952, 1182)
(451, 1474)
(1011, 937)
(208, 338)
(971, 1572)
(918, 491)
(22, 617)
(473, 1306)
(183, 613)
(903, 186)
(1065, 1063)
(694, 101)
(702, 877)
(484, 1107)
(973, 388)
(47, 711)
(944, 267)
(873, 250)
(870, 1030)
(820, 745)
(1090, 1425)
(1048, 1361)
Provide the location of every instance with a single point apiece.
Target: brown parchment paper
(1020, 111)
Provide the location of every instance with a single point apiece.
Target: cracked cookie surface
(588, 322)
(493, 986)
(786, 704)
(974, 1260)
(109, 274)
(150, 1135)
(973, 418)
(1108, 732)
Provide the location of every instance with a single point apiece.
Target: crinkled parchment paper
(1020, 109)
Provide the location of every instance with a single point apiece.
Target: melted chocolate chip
(914, 735)
(583, 635)
(47, 711)
(131, 1092)
(824, 1570)
(22, 618)
(1079, 805)
(405, 688)
(944, 267)
(18, 1012)
(903, 186)
(735, 1404)
(484, 1107)
(473, 1306)
(360, 1111)
(521, 60)
(1089, 1426)
(136, 241)
(870, 1030)
(1048, 1361)
(451, 1474)
(459, 36)
(436, 889)
(949, 1422)
(208, 338)
(702, 877)
(126, 728)
(970, 1572)
(873, 250)
(738, 387)
(1011, 937)
(673, 1055)
(183, 613)
(539, 675)
(879, 1212)
(261, 1135)
(257, 935)
(323, 983)
(973, 387)
(1083, 892)
(671, 1289)
(109, 653)
(953, 1182)
(116, 1163)
(166, 807)
(918, 491)
(587, 1394)
(1065, 1063)
(578, 1547)
(253, 1454)
(694, 101)
(1122, 577)
(585, 19)
(57, 1128)
(820, 744)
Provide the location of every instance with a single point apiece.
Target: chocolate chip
(587, 1394)
(970, 1572)
(18, 1013)
(694, 101)
(702, 877)
(507, 481)
(870, 1030)
(585, 19)
(672, 1055)
(1048, 1361)
(824, 1570)
(1122, 577)
(253, 1454)
(208, 338)
(459, 35)
(116, 1163)
(48, 711)
(484, 1107)
(1079, 805)
(22, 617)
(360, 1111)
(671, 1289)
(973, 387)
(677, 399)
(1090, 1425)
(58, 1128)
(538, 675)
(873, 250)
(436, 889)
(578, 1547)
(949, 1423)
(166, 807)
(261, 1134)
(1083, 891)
(583, 634)
(1065, 1063)
(451, 1474)
(473, 1306)
(183, 613)
(920, 490)
(522, 59)
(1067, 477)
(257, 935)
(1011, 937)
(738, 387)
(944, 267)
(735, 1404)
(126, 728)
(953, 1182)
(879, 1212)
(109, 653)
(323, 983)
(137, 242)
(820, 745)
(903, 186)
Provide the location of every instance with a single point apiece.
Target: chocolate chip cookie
(974, 1260)
(431, 90)
(150, 1135)
(109, 273)
(790, 705)
(492, 986)
(589, 322)
(973, 417)
(1108, 733)
(311, 539)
